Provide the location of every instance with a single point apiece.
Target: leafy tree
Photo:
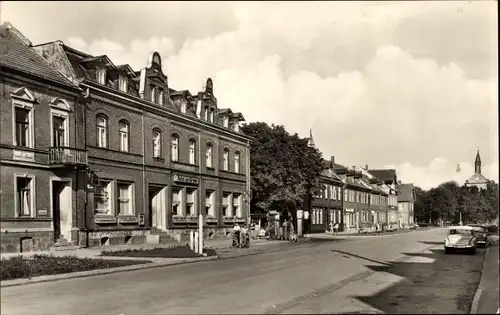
(283, 168)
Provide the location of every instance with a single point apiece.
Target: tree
(283, 168)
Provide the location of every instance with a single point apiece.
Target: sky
(406, 85)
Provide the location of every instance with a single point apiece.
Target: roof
(16, 53)
(405, 191)
(477, 178)
(385, 175)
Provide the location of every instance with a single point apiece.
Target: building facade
(43, 159)
(406, 202)
(152, 158)
(477, 179)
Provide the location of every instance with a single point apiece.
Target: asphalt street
(406, 273)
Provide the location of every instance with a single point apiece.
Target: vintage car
(460, 238)
(481, 234)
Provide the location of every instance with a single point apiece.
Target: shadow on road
(349, 255)
(436, 283)
(431, 243)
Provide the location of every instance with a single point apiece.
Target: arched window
(102, 131)
(209, 155)
(192, 151)
(237, 162)
(174, 148)
(226, 160)
(156, 143)
(124, 135)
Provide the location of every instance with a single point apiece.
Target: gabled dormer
(127, 79)
(153, 84)
(234, 121)
(206, 104)
(100, 69)
(183, 102)
(223, 115)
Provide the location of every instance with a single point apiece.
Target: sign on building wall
(186, 179)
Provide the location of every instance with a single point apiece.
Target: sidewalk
(486, 299)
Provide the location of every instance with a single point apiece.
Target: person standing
(236, 235)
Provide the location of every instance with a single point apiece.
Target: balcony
(67, 156)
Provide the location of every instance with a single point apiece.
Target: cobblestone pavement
(368, 275)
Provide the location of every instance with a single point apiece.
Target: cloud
(379, 83)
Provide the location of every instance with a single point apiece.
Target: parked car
(460, 238)
(481, 234)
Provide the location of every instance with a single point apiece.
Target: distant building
(477, 179)
(406, 201)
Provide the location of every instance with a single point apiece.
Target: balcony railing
(67, 156)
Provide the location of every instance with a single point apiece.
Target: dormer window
(236, 126)
(123, 83)
(212, 115)
(183, 107)
(153, 94)
(225, 121)
(161, 98)
(101, 75)
(206, 113)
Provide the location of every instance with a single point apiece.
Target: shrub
(38, 265)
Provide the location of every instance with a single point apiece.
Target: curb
(98, 272)
(474, 308)
(477, 296)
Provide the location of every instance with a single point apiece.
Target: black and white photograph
(249, 157)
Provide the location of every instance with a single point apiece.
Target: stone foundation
(108, 238)
(16, 242)
(182, 235)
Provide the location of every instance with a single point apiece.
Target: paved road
(323, 277)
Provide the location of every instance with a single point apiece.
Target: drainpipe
(144, 195)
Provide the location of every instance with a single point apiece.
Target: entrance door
(62, 210)
(157, 207)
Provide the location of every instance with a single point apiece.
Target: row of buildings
(359, 199)
(94, 153)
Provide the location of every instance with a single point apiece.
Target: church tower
(311, 140)
(478, 163)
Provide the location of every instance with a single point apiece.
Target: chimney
(332, 159)
(366, 167)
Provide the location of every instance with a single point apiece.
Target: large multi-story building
(406, 201)
(477, 179)
(157, 157)
(43, 157)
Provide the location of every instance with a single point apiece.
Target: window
(124, 135)
(212, 115)
(125, 200)
(156, 143)
(176, 201)
(226, 160)
(237, 205)
(325, 191)
(153, 94)
(102, 131)
(23, 130)
(174, 148)
(209, 203)
(161, 98)
(123, 83)
(225, 121)
(209, 155)
(24, 196)
(334, 193)
(190, 202)
(183, 106)
(192, 151)
(226, 211)
(58, 131)
(346, 192)
(101, 75)
(102, 197)
(237, 162)
(206, 113)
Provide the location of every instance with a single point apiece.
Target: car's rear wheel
(473, 251)
(447, 251)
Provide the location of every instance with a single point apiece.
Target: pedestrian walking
(236, 235)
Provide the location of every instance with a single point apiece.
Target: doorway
(157, 207)
(62, 209)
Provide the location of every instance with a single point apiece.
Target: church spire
(311, 140)
(478, 163)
